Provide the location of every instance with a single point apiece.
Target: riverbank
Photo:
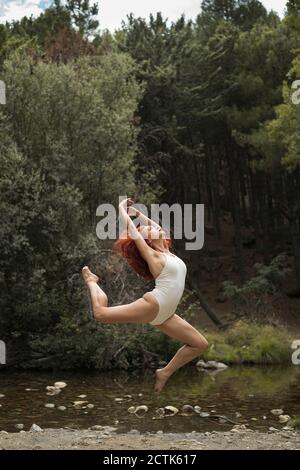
(239, 438)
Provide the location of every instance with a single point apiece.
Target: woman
(147, 251)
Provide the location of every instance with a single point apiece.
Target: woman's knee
(201, 346)
(100, 314)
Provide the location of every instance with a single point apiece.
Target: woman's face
(152, 233)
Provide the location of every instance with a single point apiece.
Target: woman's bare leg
(181, 330)
(98, 296)
(139, 311)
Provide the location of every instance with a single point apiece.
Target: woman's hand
(126, 203)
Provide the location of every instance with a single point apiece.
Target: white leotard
(169, 287)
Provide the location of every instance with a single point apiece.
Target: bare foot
(161, 379)
(88, 276)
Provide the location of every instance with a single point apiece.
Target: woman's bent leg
(139, 311)
(181, 330)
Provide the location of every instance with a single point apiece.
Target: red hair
(125, 246)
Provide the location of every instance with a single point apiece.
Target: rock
(35, 428)
(90, 406)
(51, 390)
(127, 396)
(140, 394)
(134, 431)
(287, 428)
(204, 414)
(197, 409)
(171, 410)
(238, 415)
(160, 412)
(253, 419)
(97, 427)
(82, 396)
(284, 419)
(49, 405)
(211, 365)
(131, 409)
(119, 399)
(79, 404)
(271, 429)
(141, 410)
(277, 412)
(159, 432)
(187, 409)
(19, 426)
(60, 384)
(239, 427)
(61, 408)
(1, 395)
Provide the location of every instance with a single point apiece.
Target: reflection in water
(249, 391)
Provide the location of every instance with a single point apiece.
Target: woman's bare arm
(145, 250)
(143, 218)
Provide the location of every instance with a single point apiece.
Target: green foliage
(295, 422)
(255, 295)
(250, 343)
(67, 144)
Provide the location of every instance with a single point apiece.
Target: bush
(250, 343)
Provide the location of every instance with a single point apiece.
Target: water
(250, 391)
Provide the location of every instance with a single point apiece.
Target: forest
(200, 111)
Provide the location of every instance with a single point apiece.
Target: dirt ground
(236, 439)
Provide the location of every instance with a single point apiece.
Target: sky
(112, 12)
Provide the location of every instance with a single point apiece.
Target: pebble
(187, 409)
(1, 395)
(19, 426)
(171, 410)
(60, 384)
(35, 428)
(284, 418)
(79, 404)
(49, 405)
(82, 396)
(90, 406)
(61, 408)
(277, 412)
(271, 429)
(211, 365)
(141, 410)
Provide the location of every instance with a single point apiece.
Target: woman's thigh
(139, 311)
(180, 329)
